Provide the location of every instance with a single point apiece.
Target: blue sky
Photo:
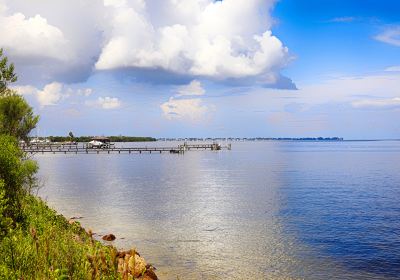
(200, 68)
(336, 37)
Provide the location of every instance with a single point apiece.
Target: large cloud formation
(220, 40)
(52, 40)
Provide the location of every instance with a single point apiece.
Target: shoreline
(51, 246)
(129, 262)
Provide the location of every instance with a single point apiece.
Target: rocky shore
(130, 265)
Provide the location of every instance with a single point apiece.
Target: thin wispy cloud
(378, 103)
(106, 103)
(390, 36)
(393, 69)
(343, 19)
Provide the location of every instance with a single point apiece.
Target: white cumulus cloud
(52, 40)
(25, 90)
(197, 37)
(107, 103)
(50, 95)
(85, 92)
(3, 7)
(186, 104)
(194, 88)
(66, 40)
(32, 36)
(184, 109)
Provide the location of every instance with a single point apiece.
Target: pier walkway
(83, 148)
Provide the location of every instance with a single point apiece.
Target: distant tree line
(89, 138)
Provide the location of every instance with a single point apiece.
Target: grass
(47, 246)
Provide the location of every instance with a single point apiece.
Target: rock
(150, 266)
(130, 263)
(71, 222)
(149, 275)
(122, 254)
(137, 266)
(109, 237)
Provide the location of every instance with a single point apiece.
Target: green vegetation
(16, 177)
(89, 138)
(16, 116)
(46, 246)
(7, 74)
(36, 242)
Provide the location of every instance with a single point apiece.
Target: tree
(16, 116)
(7, 74)
(71, 135)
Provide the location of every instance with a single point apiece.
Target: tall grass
(46, 246)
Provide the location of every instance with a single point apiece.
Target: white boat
(96, 144)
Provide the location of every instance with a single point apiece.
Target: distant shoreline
(81, 139)
(255, 139)
(127, 139)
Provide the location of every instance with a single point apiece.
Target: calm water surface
(265, 210)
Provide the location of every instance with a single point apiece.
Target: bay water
(264, 210)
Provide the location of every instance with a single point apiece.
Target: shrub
(17, 176)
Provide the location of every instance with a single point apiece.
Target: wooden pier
(213, 147)
(83, 148)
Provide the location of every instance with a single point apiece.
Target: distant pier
(84, 148)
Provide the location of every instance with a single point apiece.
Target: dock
(83, 148)
(213, 147)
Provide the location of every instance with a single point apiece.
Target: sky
(204, 68)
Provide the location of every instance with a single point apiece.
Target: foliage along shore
(48, 246)
(36, 242)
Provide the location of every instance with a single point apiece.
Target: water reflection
(263, 210)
